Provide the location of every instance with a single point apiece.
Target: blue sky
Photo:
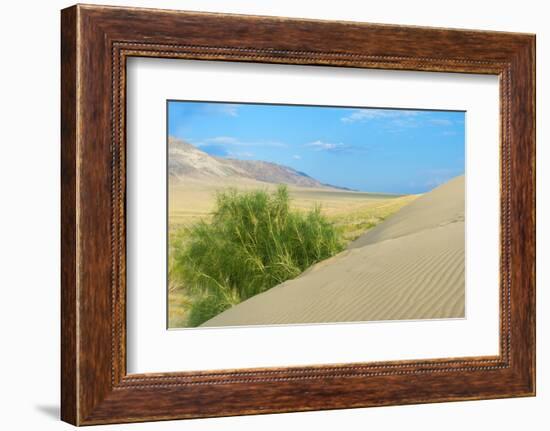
(367, 149)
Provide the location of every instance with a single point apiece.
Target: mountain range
(185, 161)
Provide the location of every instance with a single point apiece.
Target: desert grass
(193, 200)
(355, 222)
(352, 214)
(254, 241)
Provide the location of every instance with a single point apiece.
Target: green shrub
(254, 242)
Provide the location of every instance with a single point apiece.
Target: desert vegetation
(253, 241)
(349, 214)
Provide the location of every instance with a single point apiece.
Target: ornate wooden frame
(95, 42)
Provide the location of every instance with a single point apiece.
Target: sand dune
(441, 206)
(409, 267)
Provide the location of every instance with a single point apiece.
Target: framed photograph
(263, 214)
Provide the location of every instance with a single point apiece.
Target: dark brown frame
(95, 42)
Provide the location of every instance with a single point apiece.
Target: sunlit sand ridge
(410, 266)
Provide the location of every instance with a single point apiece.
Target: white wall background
(29, 224)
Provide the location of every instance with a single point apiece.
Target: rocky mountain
(187, 161)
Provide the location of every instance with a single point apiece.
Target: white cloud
(229, 109)
(231, 141)
(336, 147)
(245, 154)
(441, 122)
(362, 115)
(221, 140)
(327, 146)
(296, 157)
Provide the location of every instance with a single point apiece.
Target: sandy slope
(409, 267)
(443, 205)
